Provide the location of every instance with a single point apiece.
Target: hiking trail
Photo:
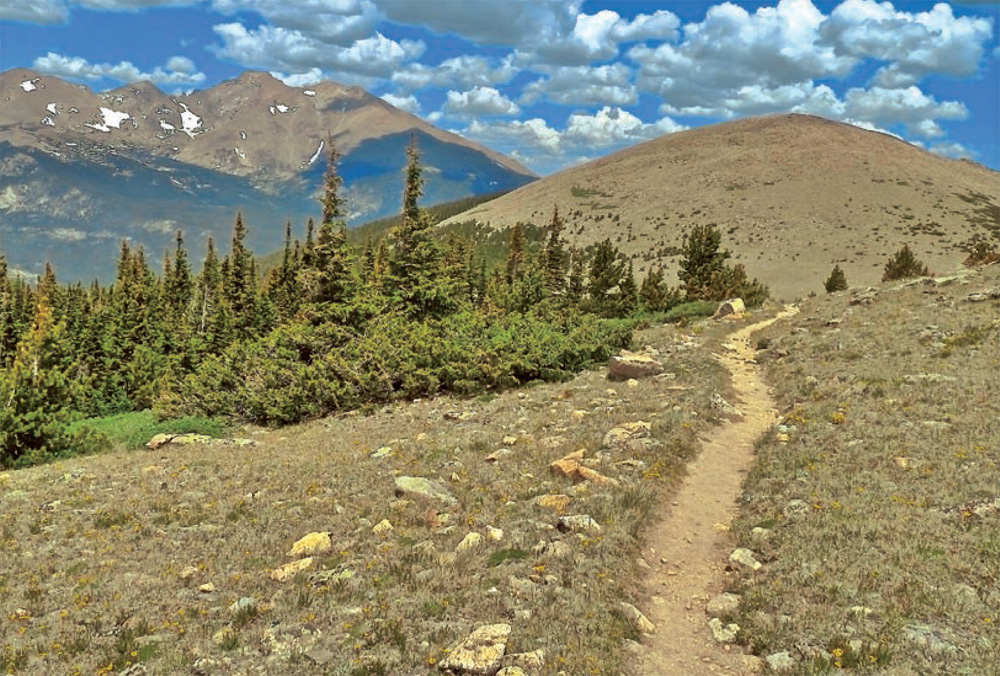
(689, 548)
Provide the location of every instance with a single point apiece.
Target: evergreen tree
(604, 276)
(628, 292)
(330, 279)
(8, 328)
(241, 285)
(283, 289)
(837, 281)
(702, 260)
(555, 256)
(655, 295)
(575, 289)
(515, 252)
(416, 266)
(904, 264)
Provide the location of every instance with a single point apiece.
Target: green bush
(132, 430)
(837, 281)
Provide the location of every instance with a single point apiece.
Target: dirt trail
(689, 548)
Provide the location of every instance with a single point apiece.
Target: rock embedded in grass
(744, 557)
(637, 619)
(313, 543)
(723, 604)
(633, 365)
(480, 653)
(290, 570)
(723, 633)
(577, 523)
(421, 487)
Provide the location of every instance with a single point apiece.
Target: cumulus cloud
(511, 22)
(596, 37)
(407, 103)
(179, 70)
(283, 49)
(910, 107)
(479, 102)
(309, 77)
(954, 150)
(336, 22)
(915, 44)
(614, 126)
(461, 71)
(535, 135)
(584, 85)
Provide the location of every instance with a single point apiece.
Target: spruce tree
(628, 292)
(575, 288)
(241, 284)
(330, 277)
(837, 281)
(904, 264)
(8, 328)
(515, 252)
(605, 274)
(555, 256)
(702, 260)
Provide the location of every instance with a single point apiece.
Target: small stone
(469, 542)
(744, 557)
(533, 660)
(188, 573)
(578, 522)
(480, 653)
(723, 634)
(723, 604)
(638, 620)
(512, 671)
(207, 588)
(290, 570)
(632, 382)
(159, 440)
(509, 440)
(796, 508)
(497, 454)
(629, 432)
(244, 603)
(382, 527)
(313, 543)
(780, 663)
(381, 453)
(494, 534)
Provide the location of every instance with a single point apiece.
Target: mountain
(79, 170)
(793, 195)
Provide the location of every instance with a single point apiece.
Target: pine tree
(904, 264)
(515, 252)
(605, 274)
(330, 279)
(575, 289)
(628, 292)
(241, 284)
(8, 328)
(416, 266)
(837, 281)
(655, 295)
(555, 256)
(702, 260)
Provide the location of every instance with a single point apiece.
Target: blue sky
(558, 82)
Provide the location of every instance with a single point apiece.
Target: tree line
(332, 327)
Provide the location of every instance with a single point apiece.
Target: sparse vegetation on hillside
(875, 504)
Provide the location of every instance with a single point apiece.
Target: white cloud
(953, 150)
(533, 135)
(613, 126)
(283, 49)
(583, 85)
(915, 44)
(179, 70)
(596, 37)
(336, 22)
(479, 101)
(910, 107)
(732, 49)
(461, 71)
(309, 77)
(407, 103)
(34, 11)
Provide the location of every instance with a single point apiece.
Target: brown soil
(688, 550)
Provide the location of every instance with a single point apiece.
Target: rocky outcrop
(420, 487)
(480, 653)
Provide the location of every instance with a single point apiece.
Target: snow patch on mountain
(52, 109)
(240, 154)
(243, 135)
(309, 92)
(316, 154)
(166, 126)
(29, 85)
(190, 123)
(278, 108)
(48, 121)
(111, 119)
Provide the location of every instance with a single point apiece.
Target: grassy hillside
(875, 506)
(793, 195)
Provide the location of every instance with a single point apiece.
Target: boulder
(731, 309)
(577, 523)
(630, 365)
(557, 502)
(290, 570)
(637, 619)
(420, 487)
(480, 653)
(622, 435)
(723, 633)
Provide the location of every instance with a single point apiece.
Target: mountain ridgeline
(80, 170)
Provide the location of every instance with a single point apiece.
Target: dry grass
(102, 559)
(881, 509)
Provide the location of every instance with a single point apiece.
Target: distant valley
(81, 170)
